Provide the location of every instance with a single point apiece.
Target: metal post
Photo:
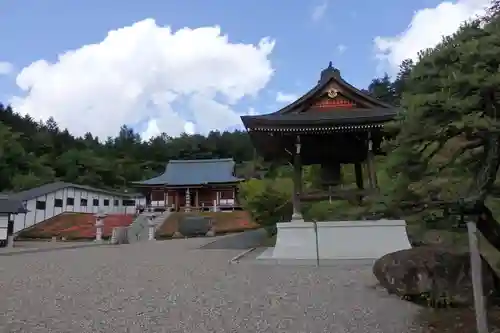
(317, 242)
(477, 281)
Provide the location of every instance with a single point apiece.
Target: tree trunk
(489, 227)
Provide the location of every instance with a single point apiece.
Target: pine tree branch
(469, 146)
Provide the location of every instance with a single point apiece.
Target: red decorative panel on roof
(338, 102)
(332, 99)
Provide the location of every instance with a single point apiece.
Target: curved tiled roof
(340, 116)
(195, 172)
(10, 205)
(327, 75)
(53, 187)
(294, 113)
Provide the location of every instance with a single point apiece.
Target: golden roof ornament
(332, 93)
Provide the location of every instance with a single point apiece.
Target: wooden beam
(334, 194)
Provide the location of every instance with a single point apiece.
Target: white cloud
(426, 30)
(285, 98)
(190, 128)
(152, 130)
(341, 48)
(319, 11)
(6, 68)
(190, 79)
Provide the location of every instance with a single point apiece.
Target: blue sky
(307, 35)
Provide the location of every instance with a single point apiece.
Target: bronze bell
(331, 174)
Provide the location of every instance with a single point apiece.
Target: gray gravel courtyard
(172, 286)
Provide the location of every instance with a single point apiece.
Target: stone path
(239, 241)
(172, 286)
(138, 230)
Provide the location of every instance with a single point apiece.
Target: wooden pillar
(176, 200)
(358, 171)
(297, 182)
(370, 163)
(197, 197)
(367, 168)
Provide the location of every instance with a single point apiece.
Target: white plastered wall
(107, 203)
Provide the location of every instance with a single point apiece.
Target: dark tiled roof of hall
(195, 172)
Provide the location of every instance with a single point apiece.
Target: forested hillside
(33, 153)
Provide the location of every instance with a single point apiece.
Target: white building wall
(141, 201)
(34, 215)
(4, 224)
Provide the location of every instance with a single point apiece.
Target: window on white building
(128, 202)
(58, 202)
(40, 205)
(106, 202)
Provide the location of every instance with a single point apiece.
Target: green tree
(448, 145)
(268, 201)
(399, 86)
(34, 153)
(382, 89)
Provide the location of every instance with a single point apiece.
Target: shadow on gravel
(240, 241)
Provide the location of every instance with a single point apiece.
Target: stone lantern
(187, 208)
(151, 226)
(99, 224)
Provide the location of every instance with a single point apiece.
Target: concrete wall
(339, 239)
(72, 200)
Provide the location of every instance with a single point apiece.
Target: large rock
(432, 273)
(177, 235)
(195, 225)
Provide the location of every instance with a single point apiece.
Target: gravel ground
(22, 247)
(171, 286)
